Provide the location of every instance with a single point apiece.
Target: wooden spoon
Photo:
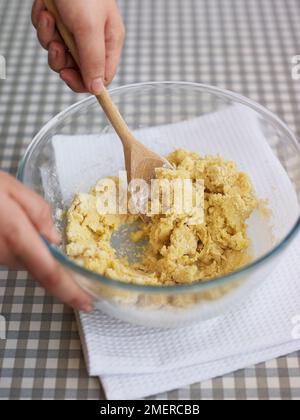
(140, 162)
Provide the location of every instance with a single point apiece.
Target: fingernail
(96, 86)
(54, 53)
(86, 307)
(62, 76)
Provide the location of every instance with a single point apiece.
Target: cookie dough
(176, 252)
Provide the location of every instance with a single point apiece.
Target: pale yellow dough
(177, 252)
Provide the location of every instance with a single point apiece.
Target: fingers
(37, 8)
(99, 35)
(24, 242)
(23, 214)
(91, 49)
(33, 205)
(46, 30)
(59, 58)
(73, 79)
(114, 39)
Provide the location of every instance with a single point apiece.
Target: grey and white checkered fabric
(243, 45)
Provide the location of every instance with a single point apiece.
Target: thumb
(91, 49)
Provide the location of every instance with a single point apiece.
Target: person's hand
(99, 34)
(24, 216)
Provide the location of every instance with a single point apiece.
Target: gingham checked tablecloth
(243, 45)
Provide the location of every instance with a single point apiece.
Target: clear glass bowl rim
(196, 286)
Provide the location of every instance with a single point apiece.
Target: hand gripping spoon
(140, 162)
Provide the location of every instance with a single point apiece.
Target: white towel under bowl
(134, 361)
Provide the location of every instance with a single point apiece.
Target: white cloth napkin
(134, 361)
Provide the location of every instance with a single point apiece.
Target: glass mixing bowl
(150, 105)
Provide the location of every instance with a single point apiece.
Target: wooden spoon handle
(104, 98)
